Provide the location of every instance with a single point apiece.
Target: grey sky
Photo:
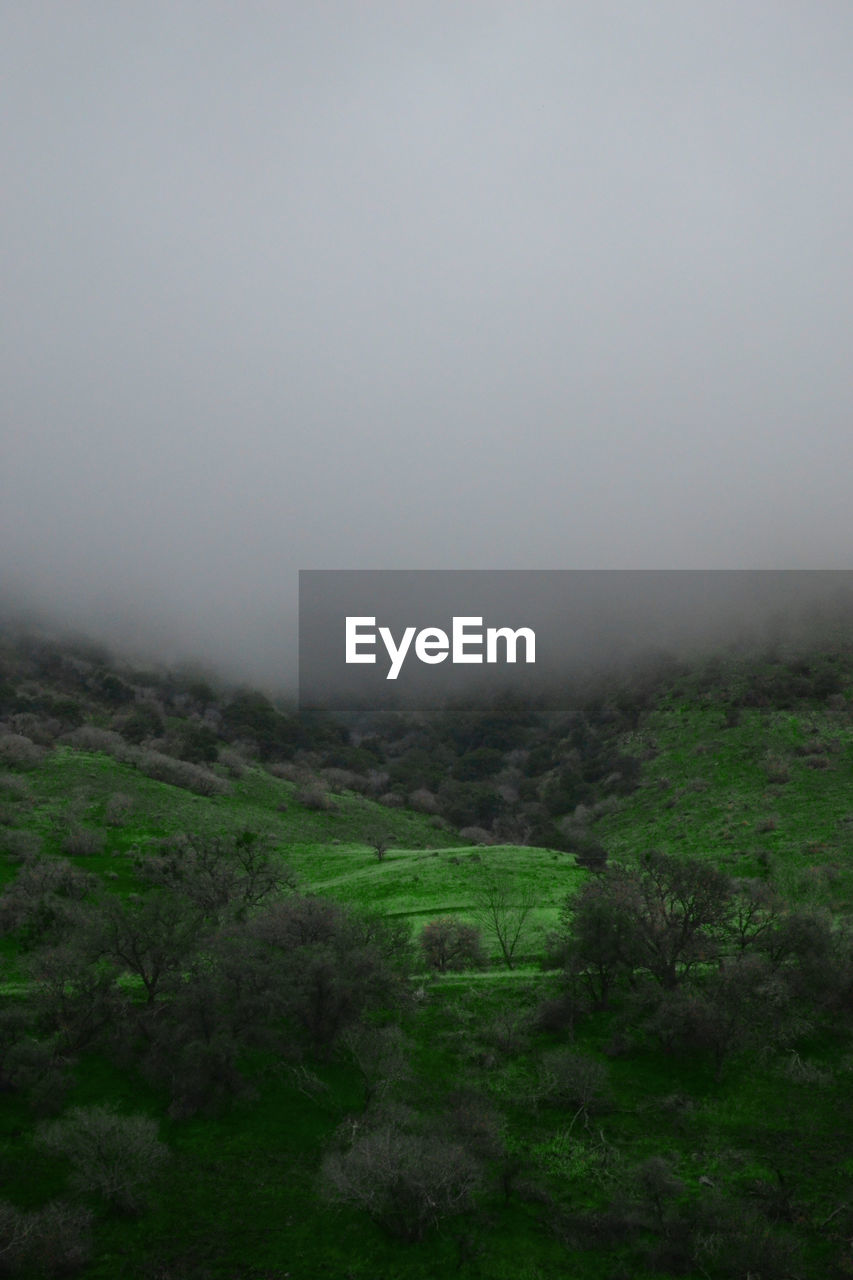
(428, 285)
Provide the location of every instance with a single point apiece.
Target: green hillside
(761, 791)
(217, 935)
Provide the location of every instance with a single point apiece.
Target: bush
(181, 773)
(233, 762)
(590, 855)
(339, 780)
(117, 808)
(144, 721)
(45, 899)
(406, 1182)
(315, 798)
(286, 770)
(558, 1014)
(44, 1242)
(18, 846)
(82, 842)
(111, 1155)
(19, 752)
(43, 730)
(476, 835)
(574, 1080)
(776, 769)
(200, 1074)
(326, 966)
(90, 738)
(14, 788)
(448, 943)
(37, 1069)
(424, 801)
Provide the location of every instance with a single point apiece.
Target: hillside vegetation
(501, 989)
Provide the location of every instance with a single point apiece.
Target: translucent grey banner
(399, 634)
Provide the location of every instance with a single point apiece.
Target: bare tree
(502, 906)
(380, 844)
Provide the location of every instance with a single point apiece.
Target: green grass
(709, 793)
(424, 873)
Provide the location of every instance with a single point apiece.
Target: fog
(335, 286)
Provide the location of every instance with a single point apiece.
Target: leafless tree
(502, 906)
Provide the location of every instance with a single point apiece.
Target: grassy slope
(424, 873)
(709, 791)
(769, 794)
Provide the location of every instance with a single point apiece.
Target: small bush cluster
(182, 773)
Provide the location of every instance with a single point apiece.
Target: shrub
(574, 1080)
(43, 730)
(47, 1241)
(449, 943)
(286, 770)
(406, 1182)
(14, 788)
(476, 835)
(424, 801)
(144, 721)
(117, 808)
(777, 769)
(339, 780)
(558, 1013)
(18, 846)
(36, 1068)
(90, 738)
(82, 842)
(181, 773)
(200, 1073)
(19, 752)
(326, 966)
(44, 899)
(315, 798)
(111, 1155)
(233, 762)
(507, 1032)
(590, 855)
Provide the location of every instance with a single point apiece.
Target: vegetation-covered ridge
(499, 988)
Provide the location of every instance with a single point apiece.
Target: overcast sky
(427, 285)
